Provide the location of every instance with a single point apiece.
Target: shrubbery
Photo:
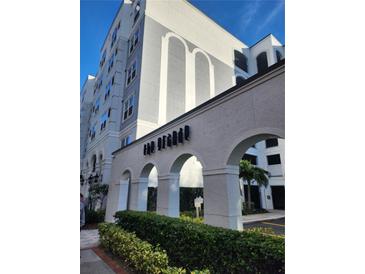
(94, 216)
(139, 254)
(198, 246)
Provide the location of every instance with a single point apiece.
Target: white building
(159, 60)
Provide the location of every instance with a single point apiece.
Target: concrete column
(142, 194)
(168, 195)
(133, 195)
(123, 194)
(222, 201)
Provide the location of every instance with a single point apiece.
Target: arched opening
(124, 191)
(176, 79)
(240, 60)
(149, 175)
(187, 185)
(261, 163)
(278, 56)
(202, 79)
(262, 63)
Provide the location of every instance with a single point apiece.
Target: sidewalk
(90, 263)
(89, 238)
(272, 215)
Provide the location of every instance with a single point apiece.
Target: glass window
(273, 159)
(278, 56)
(273, 142)
(128, 107)
(126, 141)
(114, 37)
(133, 41)
(97, 105)
(261, 61)
(111, 62)
(107, 91)
(240, 60)
(103, 119)
(131, 72)
(251, 158)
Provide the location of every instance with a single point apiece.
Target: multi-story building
(159, 60)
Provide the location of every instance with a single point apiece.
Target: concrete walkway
(272, 215)
(89, 238)
(90, 263)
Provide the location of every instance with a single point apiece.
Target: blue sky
(249, 21)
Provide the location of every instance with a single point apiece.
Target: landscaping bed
(198, 246)
(138, 254)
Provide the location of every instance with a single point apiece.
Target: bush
(188, 218)
(94, 216)
(253, 210)
(199, 246)
(139, 254)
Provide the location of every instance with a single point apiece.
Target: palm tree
(250, 173)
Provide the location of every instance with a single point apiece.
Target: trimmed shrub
(139, 254)
(94, 216)
(199, 246)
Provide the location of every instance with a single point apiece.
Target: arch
(262, 62)
(240, 60)
(146, 170)
(211, 71)
(181, 159)
(251, 137)
(177, 79)
(126, 180)
(165, 40)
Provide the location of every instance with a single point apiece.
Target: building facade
(159, 60)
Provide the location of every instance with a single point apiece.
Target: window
(128, 107)
(126, 141)
(273, 142)
(133, 42)
(240, 80)
(97, 105)
(113, 80)
(136, 12)
(111, 62)
(240, 60)
(273, 159)
(107, 91)
(93, 132)
(114, 37)
(118, 27)
(103, 119)
(251, 158)
(261, 61)
(109, 112)
(278, 56)
(102, 61)
(131, 72)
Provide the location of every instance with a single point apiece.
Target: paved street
(277, 225)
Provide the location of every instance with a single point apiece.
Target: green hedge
(139, 254)
(94, 216)
(198, 246)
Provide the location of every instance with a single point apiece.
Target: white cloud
(248, 14)
(271, 15)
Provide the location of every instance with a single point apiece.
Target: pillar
(168, 195)
(123, 194)
(138, 194)
(222, 199)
